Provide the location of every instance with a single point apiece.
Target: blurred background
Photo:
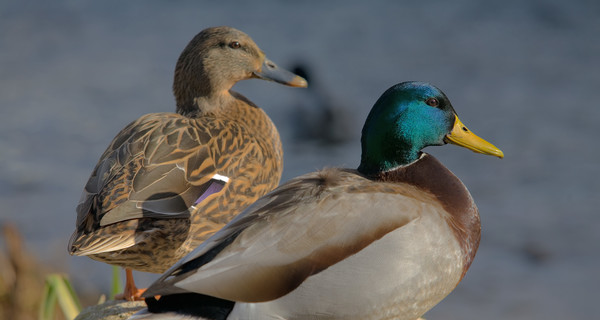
(524, 75)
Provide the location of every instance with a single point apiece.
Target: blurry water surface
(524, 75)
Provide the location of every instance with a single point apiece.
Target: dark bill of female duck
(461, 136)
(270, 71)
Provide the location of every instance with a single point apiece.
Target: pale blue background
(525, 75)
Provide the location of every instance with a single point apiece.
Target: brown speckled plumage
(138, 207)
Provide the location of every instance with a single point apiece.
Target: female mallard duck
(388, 240)
(169, 180)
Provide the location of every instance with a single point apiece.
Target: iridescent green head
(407, 118)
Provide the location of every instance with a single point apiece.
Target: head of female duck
(214, 60)
(407, 118)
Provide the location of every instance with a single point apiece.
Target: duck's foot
(131, 296)
(131, 292)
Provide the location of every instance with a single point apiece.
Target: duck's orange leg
(131, 292)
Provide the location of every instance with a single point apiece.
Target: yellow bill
(461, 136)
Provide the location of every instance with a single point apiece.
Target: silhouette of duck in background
(317, 115)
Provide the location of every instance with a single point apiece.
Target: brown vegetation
(21, 278)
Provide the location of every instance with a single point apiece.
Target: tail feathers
(101, 241)
(189, 306)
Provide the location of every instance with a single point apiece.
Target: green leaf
(115, 287)
(59, 289)
(48, 302)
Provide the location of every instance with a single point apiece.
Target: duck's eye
(234, 45)
(432, 102)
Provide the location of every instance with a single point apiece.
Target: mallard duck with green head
(388, 240)
(168, 181)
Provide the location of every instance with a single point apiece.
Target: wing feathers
(300, 229)
(155, 159)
